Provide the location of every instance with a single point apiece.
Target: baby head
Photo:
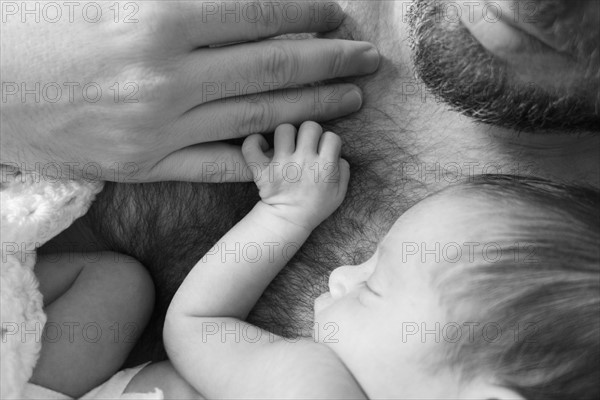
(487, 289)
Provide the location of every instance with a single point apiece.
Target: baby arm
(205, 336)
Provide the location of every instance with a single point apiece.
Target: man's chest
(169, 226)
(394, 169)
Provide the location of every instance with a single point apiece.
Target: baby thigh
(97, 306)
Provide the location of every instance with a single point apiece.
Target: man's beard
(456, 68)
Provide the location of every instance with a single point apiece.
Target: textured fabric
(34, 209)
(109, 390)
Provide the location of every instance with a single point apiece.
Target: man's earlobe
(488, 391)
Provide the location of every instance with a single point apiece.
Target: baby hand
(304, 180)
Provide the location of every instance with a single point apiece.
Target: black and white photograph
(300, 199)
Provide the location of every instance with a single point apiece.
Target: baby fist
(303, 179)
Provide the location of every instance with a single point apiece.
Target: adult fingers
(239, 117)
(209, 162)
(209, 23)
(270, 65)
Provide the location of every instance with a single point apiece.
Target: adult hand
(141, 91)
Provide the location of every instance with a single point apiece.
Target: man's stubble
(473, 81)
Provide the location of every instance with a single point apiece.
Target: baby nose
(343, 279)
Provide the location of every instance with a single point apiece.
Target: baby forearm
(230, 278)
(218, 294)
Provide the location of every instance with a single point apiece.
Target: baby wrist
(283, 220)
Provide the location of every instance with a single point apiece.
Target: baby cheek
(345, 322)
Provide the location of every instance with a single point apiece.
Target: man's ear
(485, 390)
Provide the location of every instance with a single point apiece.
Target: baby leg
(97, 306)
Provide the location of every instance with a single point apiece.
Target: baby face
(377, 314)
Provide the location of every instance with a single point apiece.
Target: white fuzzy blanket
(34, 209)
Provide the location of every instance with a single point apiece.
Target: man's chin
(460, 71)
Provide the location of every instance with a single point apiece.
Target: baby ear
(484, 390)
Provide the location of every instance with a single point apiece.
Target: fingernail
(372, 56)
(351, 101)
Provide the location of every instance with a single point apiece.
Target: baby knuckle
(249, 146)
(335, 139)
(310, 125)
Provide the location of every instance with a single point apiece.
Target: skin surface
(162, 83)
(97, 309)
(402, 145)
(376, 305)
(221, 290)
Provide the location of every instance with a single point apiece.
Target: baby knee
(126, 277)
